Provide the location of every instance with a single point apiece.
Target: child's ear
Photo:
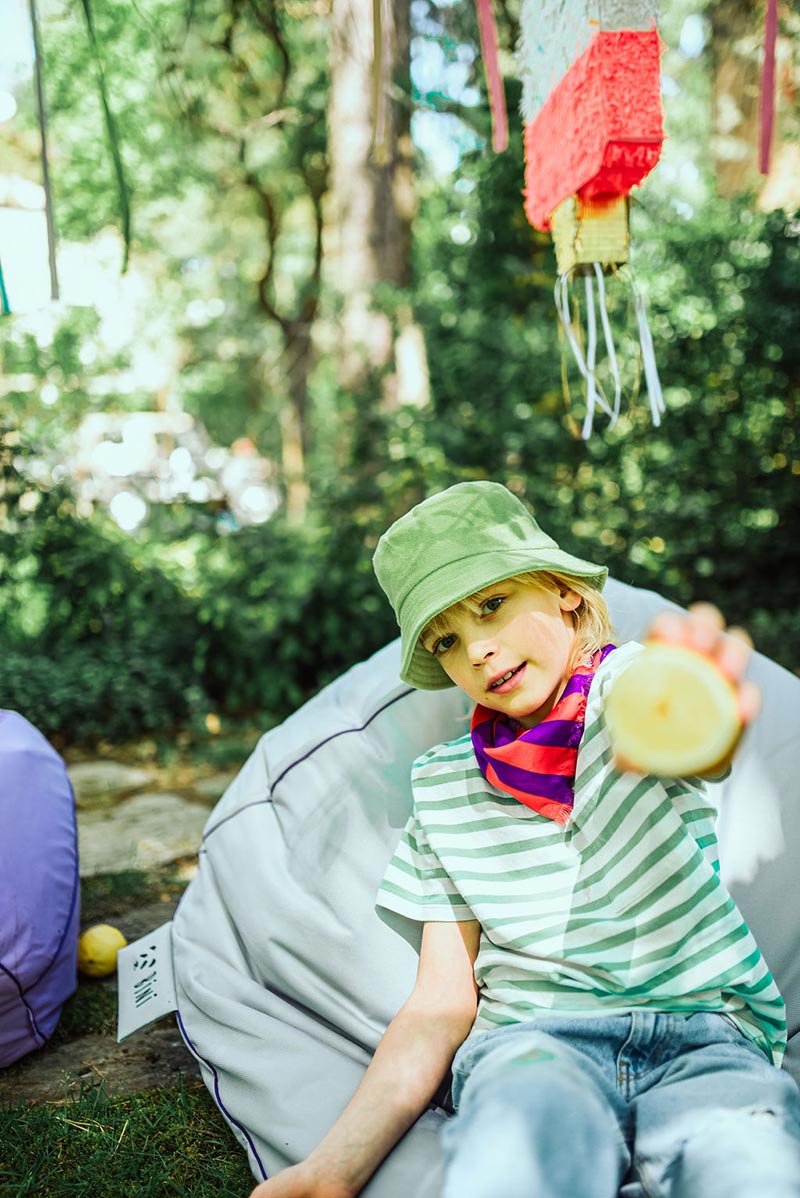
(569, 600)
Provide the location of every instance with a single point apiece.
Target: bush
(286, 610)
(92, 693)
(96, 642)
(100, 641)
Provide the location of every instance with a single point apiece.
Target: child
(614, 1026)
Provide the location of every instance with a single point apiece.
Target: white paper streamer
(654, 393)
(595, 396)
(591, 359)
(612, 357)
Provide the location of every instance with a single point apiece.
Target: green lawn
(170, 1141)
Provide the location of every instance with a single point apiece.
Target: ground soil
(154, 1056)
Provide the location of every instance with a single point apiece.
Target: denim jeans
(646, 1104)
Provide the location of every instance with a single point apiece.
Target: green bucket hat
(449, 546)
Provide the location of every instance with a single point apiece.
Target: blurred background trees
(334, 306)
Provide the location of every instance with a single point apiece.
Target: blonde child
(611, 1024)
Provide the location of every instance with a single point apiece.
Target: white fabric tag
(146, 981)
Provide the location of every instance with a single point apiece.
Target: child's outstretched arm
(409, 1064)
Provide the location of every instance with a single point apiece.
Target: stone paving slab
(98, 779)
(139, 833)
(214, 787)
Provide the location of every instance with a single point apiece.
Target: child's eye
(443, 644)
(491, 605)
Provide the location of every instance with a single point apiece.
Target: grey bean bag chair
(286, 976)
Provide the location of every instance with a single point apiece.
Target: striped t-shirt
(622, 908)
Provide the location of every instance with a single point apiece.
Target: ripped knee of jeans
(736, 1143)
(721, 1119)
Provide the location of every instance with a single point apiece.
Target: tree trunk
(371, 200)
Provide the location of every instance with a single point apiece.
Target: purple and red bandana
(537, 765)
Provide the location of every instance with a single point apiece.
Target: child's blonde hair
(591, 618)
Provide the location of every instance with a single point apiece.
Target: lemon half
(672, 713)
(98, 948)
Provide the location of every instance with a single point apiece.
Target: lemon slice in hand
(672, 713)
(98, 948)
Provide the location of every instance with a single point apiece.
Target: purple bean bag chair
(39, 893)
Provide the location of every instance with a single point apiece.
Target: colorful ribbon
(767, 105)
(497, 99)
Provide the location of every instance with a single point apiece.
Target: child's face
(519, 630)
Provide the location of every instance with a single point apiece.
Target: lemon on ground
(672, 713)
(98, 948)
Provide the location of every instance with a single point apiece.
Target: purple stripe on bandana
(563, 734)
(550, 786)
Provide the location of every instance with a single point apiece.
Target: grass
(168, 1143)
(109, 895)
(92, 1009)
(93, 1006)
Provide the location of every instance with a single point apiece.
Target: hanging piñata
(591, 104)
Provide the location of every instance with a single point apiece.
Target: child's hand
(299, 1181)
(703, 629)
(672, 718)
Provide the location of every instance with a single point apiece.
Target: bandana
(537, 765)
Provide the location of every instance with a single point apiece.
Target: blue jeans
(646, 1104)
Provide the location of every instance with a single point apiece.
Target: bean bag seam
(219, 1101)
(305, 757)
(28, 1008)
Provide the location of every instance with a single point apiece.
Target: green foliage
(108, 636)
(96, 642)
(701, 507)
(221, 119)
(297, 606)
(101, 641)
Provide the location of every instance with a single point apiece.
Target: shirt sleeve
(416, 885)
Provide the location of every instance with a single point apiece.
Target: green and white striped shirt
(622, 908)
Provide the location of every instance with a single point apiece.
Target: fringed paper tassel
(590, 237)
(595, 297)
(657, 405)
(595, 395)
